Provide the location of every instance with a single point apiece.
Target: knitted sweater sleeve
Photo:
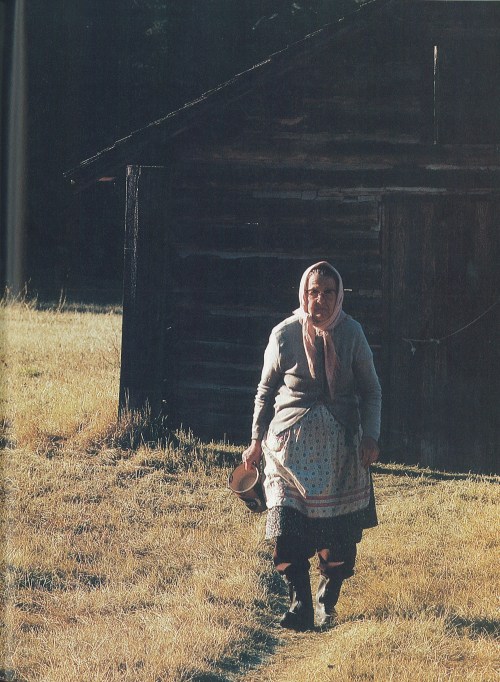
(270, 379)
(368, 386)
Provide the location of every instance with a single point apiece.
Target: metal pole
(14, 114)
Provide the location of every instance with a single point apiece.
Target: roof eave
(128, 149)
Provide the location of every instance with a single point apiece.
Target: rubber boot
(300, 615)
(326, 600)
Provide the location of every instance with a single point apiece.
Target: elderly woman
(317, 422)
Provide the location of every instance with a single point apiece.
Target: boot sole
(288, 622)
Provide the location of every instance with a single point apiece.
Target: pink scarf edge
(326, 328)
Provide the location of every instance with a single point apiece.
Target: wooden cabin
(373, 143)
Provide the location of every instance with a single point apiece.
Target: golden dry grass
(424, 602)
(62, 373)
(136, 564)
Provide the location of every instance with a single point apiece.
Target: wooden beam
(145, 358)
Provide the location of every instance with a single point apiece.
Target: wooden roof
(132, 148)
(138, 146)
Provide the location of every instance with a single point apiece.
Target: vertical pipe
(14, 144)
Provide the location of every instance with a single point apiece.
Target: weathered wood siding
(442, 340)
(240, 255)
(146, 360)
(316, 163)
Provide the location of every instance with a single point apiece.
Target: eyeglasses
(316, 293)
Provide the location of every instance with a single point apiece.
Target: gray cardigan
(287, 386)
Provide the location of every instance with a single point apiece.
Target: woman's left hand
(368, 451)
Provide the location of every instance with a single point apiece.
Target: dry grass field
(135, 564)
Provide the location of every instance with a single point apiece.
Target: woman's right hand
(252, 455)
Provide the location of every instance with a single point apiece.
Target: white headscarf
(310, 330)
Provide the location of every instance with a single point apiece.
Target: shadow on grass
(474, 627)
(10, 676)
(413, 472)
(260, 644)
(232, 669)
(7, 440)
(469, 627)
(49, 581)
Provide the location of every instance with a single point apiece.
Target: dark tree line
(97, 70)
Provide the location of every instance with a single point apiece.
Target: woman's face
(321, 297)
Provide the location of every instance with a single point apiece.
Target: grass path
(424, 602)
(130, 562)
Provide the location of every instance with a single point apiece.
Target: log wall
(335, 158)
(442, 339)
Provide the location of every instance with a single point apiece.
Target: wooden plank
(391, 106)
(397, 398)
(474, 20)
(468, 74)
(224, 351)
(269, 269)
(217, 425)
(312, 174)
(221, 329)
(254, 297)
(236, 377)
(146, 307)
(273, 236)
(358, 76)
(311, 148)
(348, 151)
(367, 308)
(213, 255)
(276, 204)
(356, 137)
(437, 392)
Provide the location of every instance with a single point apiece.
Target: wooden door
(441, 347)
